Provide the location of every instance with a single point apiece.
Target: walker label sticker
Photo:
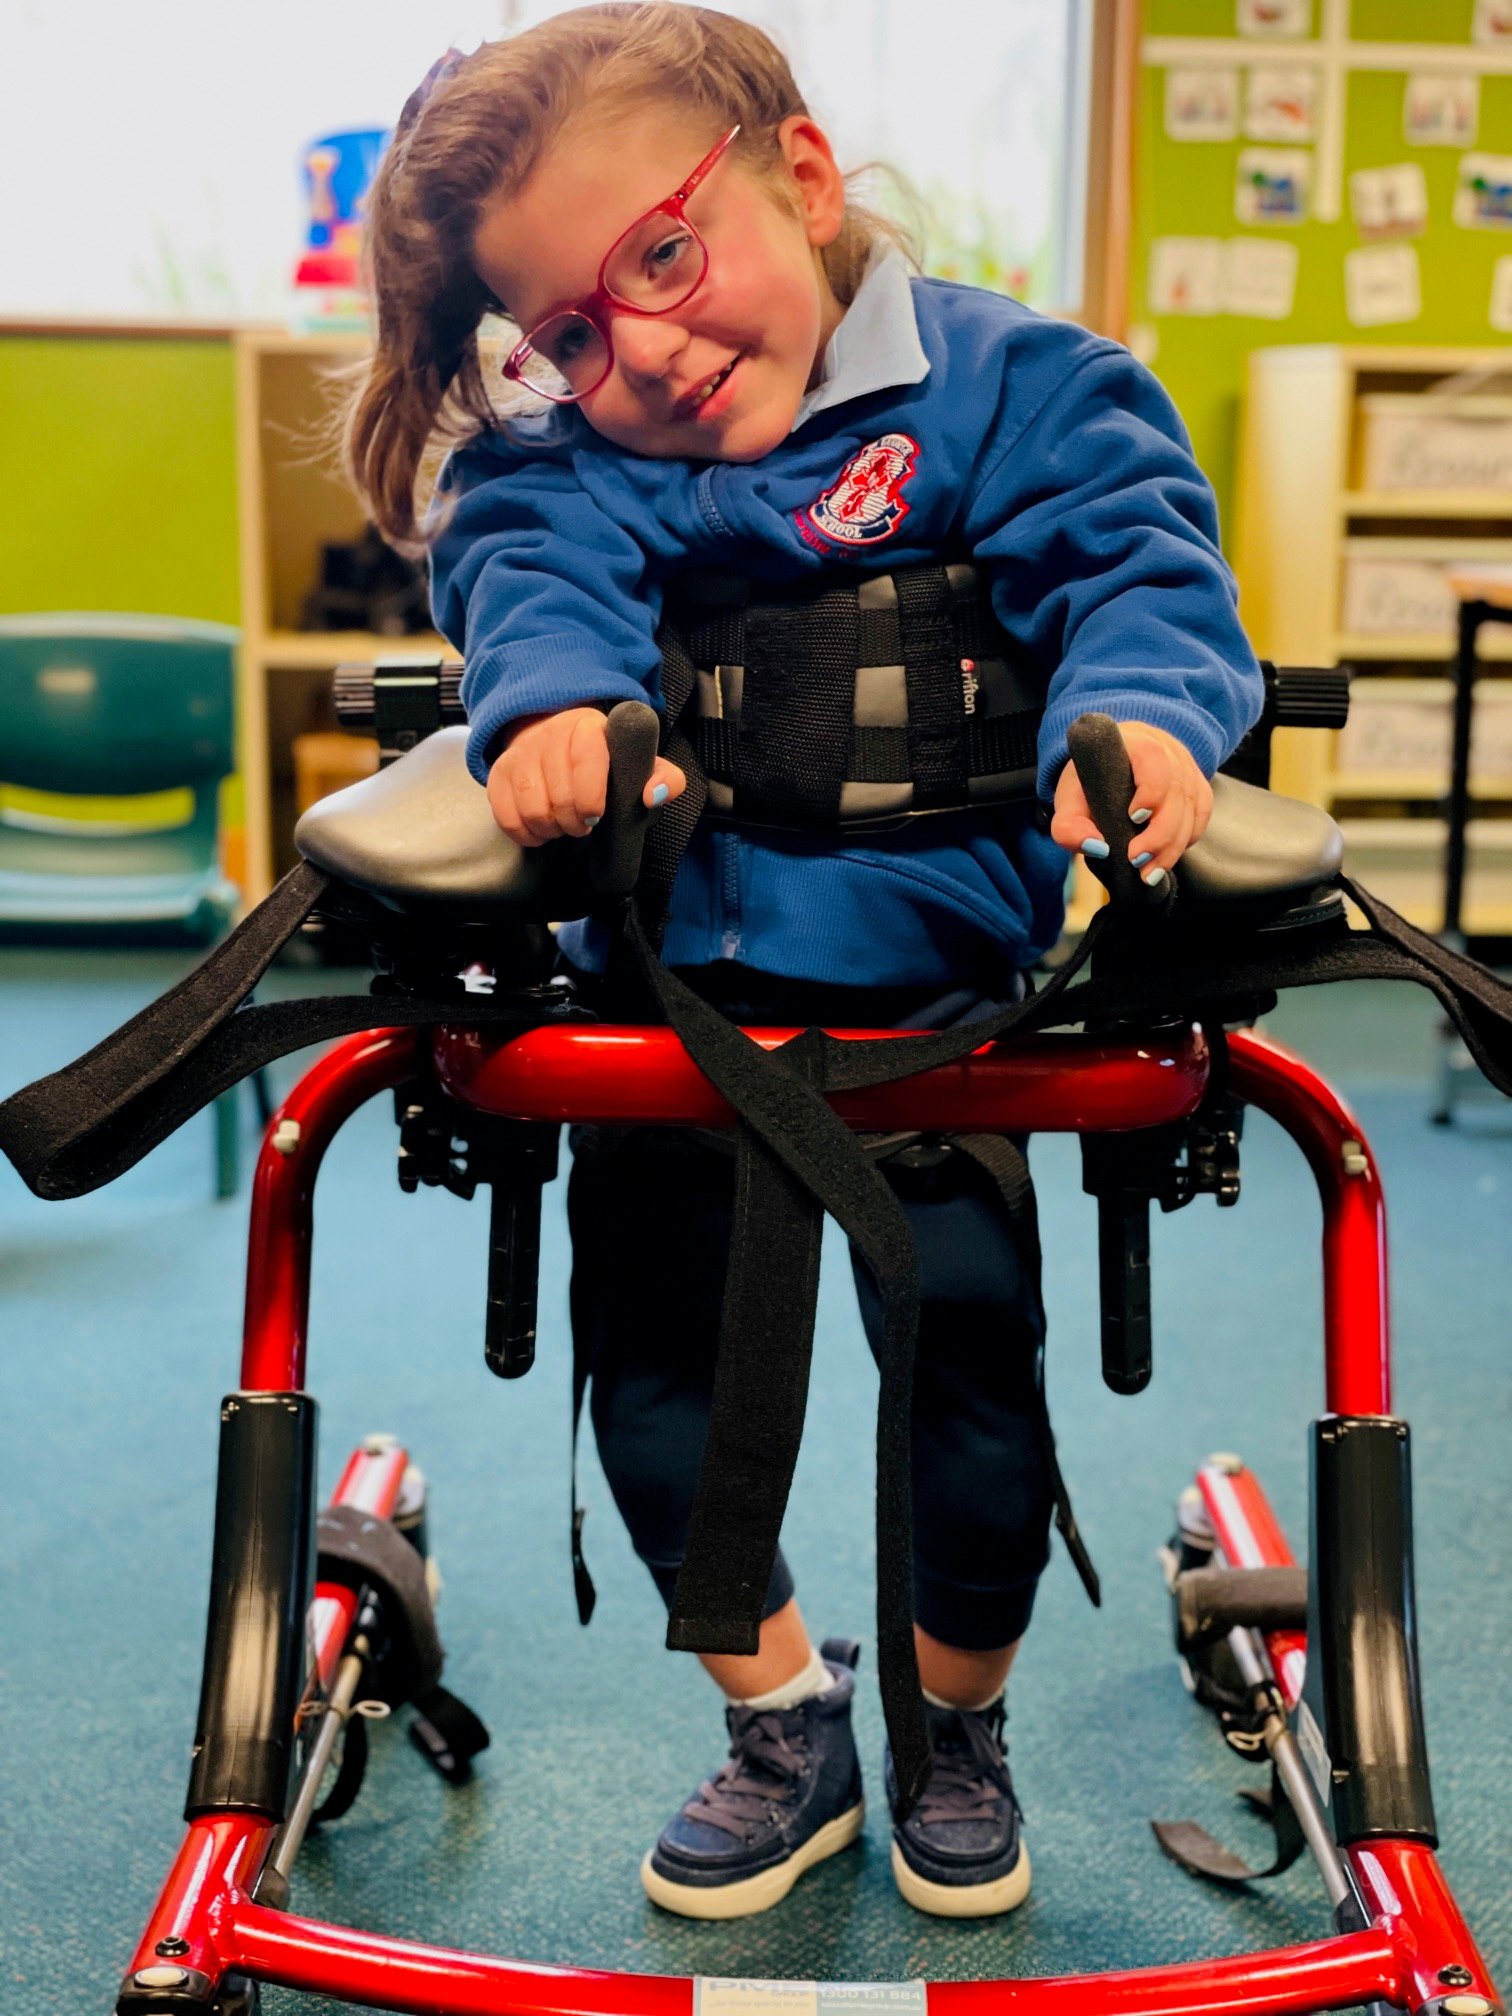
(715, 1997)
(1381, 284)
(865, 505)
(1280, 104)
(1202, 104)
(1272, 185)
(1483, 196)
(1390, 202)
(1441, 111)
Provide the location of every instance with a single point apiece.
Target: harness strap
(798, 708)
(932, 662)
(1006, 1164)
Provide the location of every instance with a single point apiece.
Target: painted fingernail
(591, 820)
(1141, 815)
(1095, 850)
(661, 794)
(1154, 879)
(1140, 859)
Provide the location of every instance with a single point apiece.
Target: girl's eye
(666, 256)
(568, 345)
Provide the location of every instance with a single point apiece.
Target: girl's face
(765, 303)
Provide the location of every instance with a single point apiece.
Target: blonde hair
(478, 131)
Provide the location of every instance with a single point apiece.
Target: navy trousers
(649, 1210)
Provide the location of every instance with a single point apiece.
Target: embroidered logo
(865, 503)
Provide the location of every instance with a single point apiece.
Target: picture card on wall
(1281, 103)
(1390, 202)
(1260, 277)
(1381, 284)
(1501, 295)
(1186, 276)
(1202, 104)
(1493, 23)
(1274, 17)
(1440, 111)
(1483, 193)
(1272, 185)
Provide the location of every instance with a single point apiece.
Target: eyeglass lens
(655, 267)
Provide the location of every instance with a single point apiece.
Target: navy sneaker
(961, 1853)
(788, 1796)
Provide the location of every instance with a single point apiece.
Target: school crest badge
(865, 503)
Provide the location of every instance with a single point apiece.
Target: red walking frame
(1415, 1953)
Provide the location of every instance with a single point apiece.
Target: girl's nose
(647, 347)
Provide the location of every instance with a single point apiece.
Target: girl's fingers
(588, 751)
(533, 800)
(1072, 822)
(665, 783)
(557, 774)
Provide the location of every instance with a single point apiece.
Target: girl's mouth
(710, 398)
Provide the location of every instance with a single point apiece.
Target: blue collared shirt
(1043, 452)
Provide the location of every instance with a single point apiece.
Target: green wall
(1185, 188)
(118, 476)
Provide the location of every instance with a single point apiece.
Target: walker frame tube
(206, 1922)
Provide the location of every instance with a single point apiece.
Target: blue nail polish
(1140, 859)
(591, 820)
(1154, 879)
(1141, 815)
(661, 794)
(1095, 850)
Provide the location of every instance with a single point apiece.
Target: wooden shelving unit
(291, 501)
(1303, 511)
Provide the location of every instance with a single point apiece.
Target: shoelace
(968, 1755)
(763, 1770)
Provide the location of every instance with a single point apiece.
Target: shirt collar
(876, 345)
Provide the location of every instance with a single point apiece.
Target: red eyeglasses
(648, 270)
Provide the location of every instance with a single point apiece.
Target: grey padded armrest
(420, 835)
(1259, 845)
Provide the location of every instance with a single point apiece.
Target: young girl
(717, 349)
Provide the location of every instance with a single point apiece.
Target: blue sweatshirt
(1045, 452)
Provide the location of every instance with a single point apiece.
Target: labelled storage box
(1421, 441)
(1402, 861)
(1404, 727)
(1401, 587)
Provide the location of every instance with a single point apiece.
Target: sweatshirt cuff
(505, 685)
(1193, 726)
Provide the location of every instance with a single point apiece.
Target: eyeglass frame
(602, 297)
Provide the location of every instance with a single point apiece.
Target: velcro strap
(357, 1549)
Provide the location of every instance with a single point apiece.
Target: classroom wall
(1186, 188)
(118, 476)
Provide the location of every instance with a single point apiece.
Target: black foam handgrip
(614, 846)
(1102, 764)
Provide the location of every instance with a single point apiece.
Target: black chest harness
(853, 705)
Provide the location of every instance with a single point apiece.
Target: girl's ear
(818, 183)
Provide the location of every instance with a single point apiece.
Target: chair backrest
(106, 705)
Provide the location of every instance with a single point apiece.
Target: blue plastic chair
(122, 707)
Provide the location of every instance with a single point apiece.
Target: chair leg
(226, 1157)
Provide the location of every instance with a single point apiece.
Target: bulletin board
(1316, 171)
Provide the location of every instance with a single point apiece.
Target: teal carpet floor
(121, 1316)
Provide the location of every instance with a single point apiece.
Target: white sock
(814, 1679)
(971, 1707)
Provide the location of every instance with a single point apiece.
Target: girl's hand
(551, 778)
(1172, 802)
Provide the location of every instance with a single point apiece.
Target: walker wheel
(238, 1997)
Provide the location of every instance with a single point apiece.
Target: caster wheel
(238, 1997)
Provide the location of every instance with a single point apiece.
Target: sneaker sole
(752, 1893)
(962, 1900)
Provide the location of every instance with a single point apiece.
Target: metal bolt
(175, 1949)
(286, 1136)
(161, 1977)
(1455, 1976)
(1354, 1158)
